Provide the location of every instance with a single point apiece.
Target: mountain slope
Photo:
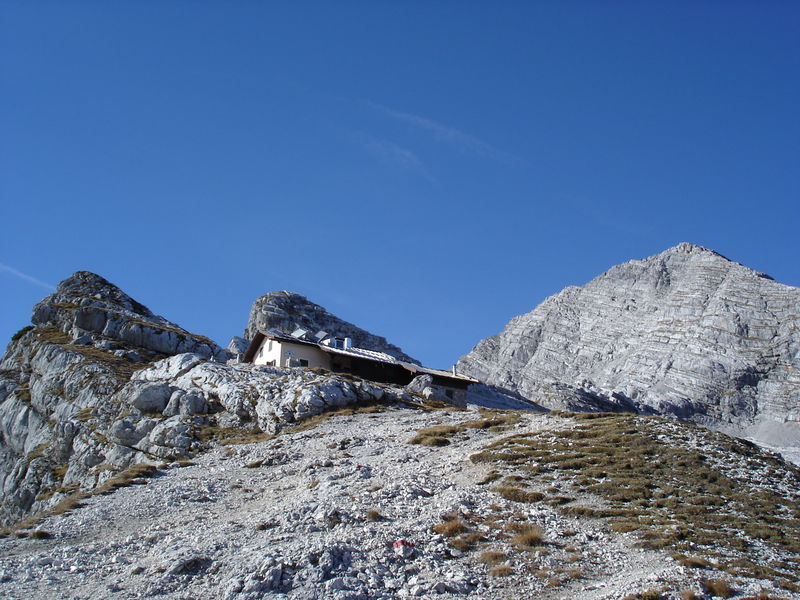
(502, 509)
(99, 384)
(686, 332)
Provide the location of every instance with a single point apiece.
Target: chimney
(454, 371)
(348, 343)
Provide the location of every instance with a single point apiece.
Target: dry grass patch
(501, 571)
(659, 478)
(490, 477)
(229, 436)
(695, 562)
(429, 440)
(466, 541)
(491, 557)
(492, 420)
(575, 573)
(63, 507)
(516, 494)
(373, 516)
(346, 411)
(40, 534)
(717, 588)
(450, 527)
(528, 535)
(130, 476)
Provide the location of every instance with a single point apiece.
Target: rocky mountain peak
(84, 288)
(686, 332)
(87, 307)
(689, 248)
(287, 311)
(678, 259)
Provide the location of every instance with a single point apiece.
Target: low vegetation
(229, 436)
(347, 411)
(21, 332)
(119, 366)
(492, 420)
(492, 558)
(134, 475)
(671, 485)
(717, 588)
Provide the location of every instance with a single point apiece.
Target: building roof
(362, 353)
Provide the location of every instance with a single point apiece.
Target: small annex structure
(275, 348)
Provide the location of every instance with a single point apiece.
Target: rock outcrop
(686, 332)
(59, 385)
(286, 311)
(99, 383)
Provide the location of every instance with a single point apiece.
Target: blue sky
(427, 170)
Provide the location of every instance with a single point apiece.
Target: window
(271, 363)
(269, 346)
(303, 362)
(449, 394)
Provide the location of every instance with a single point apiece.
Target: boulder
(149, 397)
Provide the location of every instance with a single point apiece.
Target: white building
(338, 355)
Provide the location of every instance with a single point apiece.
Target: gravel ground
(343, 511)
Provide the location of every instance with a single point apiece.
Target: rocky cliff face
(99, 383)
(59, 381)
(686, 332)
(286, 311)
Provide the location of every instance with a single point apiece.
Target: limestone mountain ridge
(686, 332)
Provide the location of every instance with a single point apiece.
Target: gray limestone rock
(87, 307)
(149, 397)
(686, 332)
(237, 345)
(419, 383)
(65, 396)
(286, 311)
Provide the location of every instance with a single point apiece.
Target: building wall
(279, 353)
(268, 353)
(314, 356)
(452, 394)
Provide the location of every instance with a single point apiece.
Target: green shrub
(21, 332)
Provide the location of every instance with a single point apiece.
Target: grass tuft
(491, 558)
(373, 515)
(717, 588)
(528, 535)
(130, 476)
(450, 528)
(516, 494)
(40, 534)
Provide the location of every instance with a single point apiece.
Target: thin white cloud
(393, 154)
(463, 142)
(24, 277)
